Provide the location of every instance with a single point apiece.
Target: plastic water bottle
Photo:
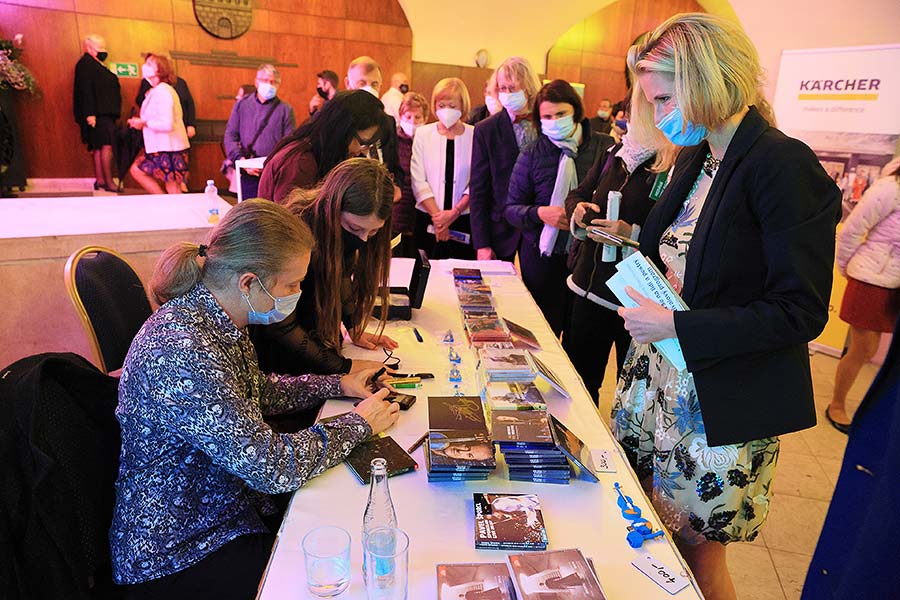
(380, 509)
(212, 201)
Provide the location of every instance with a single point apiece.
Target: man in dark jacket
(97, 103)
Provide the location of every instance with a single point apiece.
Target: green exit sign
(125, 69)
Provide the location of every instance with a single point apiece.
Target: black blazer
(757, 279)
(494, 154)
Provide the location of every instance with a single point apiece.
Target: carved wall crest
(226, 19)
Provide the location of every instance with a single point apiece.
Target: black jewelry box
(403, 299)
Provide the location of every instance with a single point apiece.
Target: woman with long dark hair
(351, 124)
(350, 219)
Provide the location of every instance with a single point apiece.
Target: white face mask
(603, 114)
(370, 89)
(513, 101)
(148, 71)
(493, 105)
(448, 116)
(408, 127)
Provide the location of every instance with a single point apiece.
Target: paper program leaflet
(642, 275)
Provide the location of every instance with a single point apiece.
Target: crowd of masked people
(220, 389)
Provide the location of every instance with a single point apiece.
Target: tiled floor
(774, 566)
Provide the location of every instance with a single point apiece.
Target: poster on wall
(845, 104)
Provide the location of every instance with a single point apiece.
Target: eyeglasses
(390, 361)
(370, 148)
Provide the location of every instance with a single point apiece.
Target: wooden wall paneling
(306, 25)
(593, 52)
(157, 10)
(322, 8)
(50, 138)
(361, 31)
(377, 11)
(390, 57)
(206, 162)
(475, 79)
(68, 5)
(314, 34)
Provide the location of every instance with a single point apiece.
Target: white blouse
(428, 164)
(164, 129)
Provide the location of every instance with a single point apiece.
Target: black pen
(418, 443)
(419, 375)
(377, 374)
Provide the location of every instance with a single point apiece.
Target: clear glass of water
(327, 554)
(387, 558)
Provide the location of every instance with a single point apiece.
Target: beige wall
(531, 27)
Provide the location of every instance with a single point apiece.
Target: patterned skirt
(701, 493)
(166, 166)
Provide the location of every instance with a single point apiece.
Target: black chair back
(110, 299)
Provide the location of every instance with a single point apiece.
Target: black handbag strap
(262, 126)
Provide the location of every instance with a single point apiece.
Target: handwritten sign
(603, 462)
(662, 575)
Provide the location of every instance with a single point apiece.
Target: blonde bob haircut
(448, 88)
(519, 70)
(715, 66)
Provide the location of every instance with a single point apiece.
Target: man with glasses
(256, 125)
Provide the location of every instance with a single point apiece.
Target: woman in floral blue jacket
(197, 458)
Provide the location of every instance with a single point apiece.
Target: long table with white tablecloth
(439, 517)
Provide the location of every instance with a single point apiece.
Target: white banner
(845, 104)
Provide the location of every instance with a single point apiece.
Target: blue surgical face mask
(284, 306)
(670, 125)
(513, 101)
(558, 129)
(267, 91)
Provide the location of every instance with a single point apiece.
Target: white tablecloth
(439, 517)
(81, 215)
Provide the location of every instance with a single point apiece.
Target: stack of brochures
(458, 447)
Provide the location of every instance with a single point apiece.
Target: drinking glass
(387, 557)
(326, 551)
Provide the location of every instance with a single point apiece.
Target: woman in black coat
(544, 174)
(97, 102)
(635, 176)
(745, 233)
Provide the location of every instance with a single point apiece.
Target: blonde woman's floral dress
(701, 493)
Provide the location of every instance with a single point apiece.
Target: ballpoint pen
(418, 335)
(418, 443)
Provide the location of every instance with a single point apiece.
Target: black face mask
(352, 242)
(322, 92)
(101, 56)
(403, 88)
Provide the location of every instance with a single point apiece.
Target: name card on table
(602, 460)
(662, 575)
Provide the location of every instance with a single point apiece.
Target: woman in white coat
(165, 136)
(868, 254)
(439, 168)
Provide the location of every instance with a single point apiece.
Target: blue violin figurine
(640, 529)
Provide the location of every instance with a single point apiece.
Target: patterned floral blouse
(194, 444)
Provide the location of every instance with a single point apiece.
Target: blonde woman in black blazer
(745, 232)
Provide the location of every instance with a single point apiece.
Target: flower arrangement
(13, 74)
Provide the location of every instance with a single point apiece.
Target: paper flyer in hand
(642, 275)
